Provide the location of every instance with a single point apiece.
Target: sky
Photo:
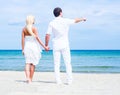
(100, 31)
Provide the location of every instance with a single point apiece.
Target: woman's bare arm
(39, 40)
(23, 41)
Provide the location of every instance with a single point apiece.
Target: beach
(14, 83)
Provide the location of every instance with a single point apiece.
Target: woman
(30, 47)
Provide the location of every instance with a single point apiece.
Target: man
(59, 27)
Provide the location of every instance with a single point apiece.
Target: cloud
(15, 23)
(98, 12)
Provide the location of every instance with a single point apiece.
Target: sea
(83, 61)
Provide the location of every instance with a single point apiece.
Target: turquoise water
(83, 61)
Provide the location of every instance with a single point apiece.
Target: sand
(14, 83)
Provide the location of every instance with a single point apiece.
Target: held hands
(47, 48)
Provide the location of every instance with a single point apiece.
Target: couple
(59, 27)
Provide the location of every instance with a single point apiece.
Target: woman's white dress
(32, 50)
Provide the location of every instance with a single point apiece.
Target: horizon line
(70, 49)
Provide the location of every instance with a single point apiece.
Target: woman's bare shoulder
(25, 31)
(34, 28)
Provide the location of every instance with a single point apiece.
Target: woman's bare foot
(29, 81)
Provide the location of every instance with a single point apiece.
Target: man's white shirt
(59, 27)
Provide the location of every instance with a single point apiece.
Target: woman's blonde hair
(29, 23)
(30, 19)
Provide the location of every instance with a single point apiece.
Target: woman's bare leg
(32, 70)
(27, 72)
